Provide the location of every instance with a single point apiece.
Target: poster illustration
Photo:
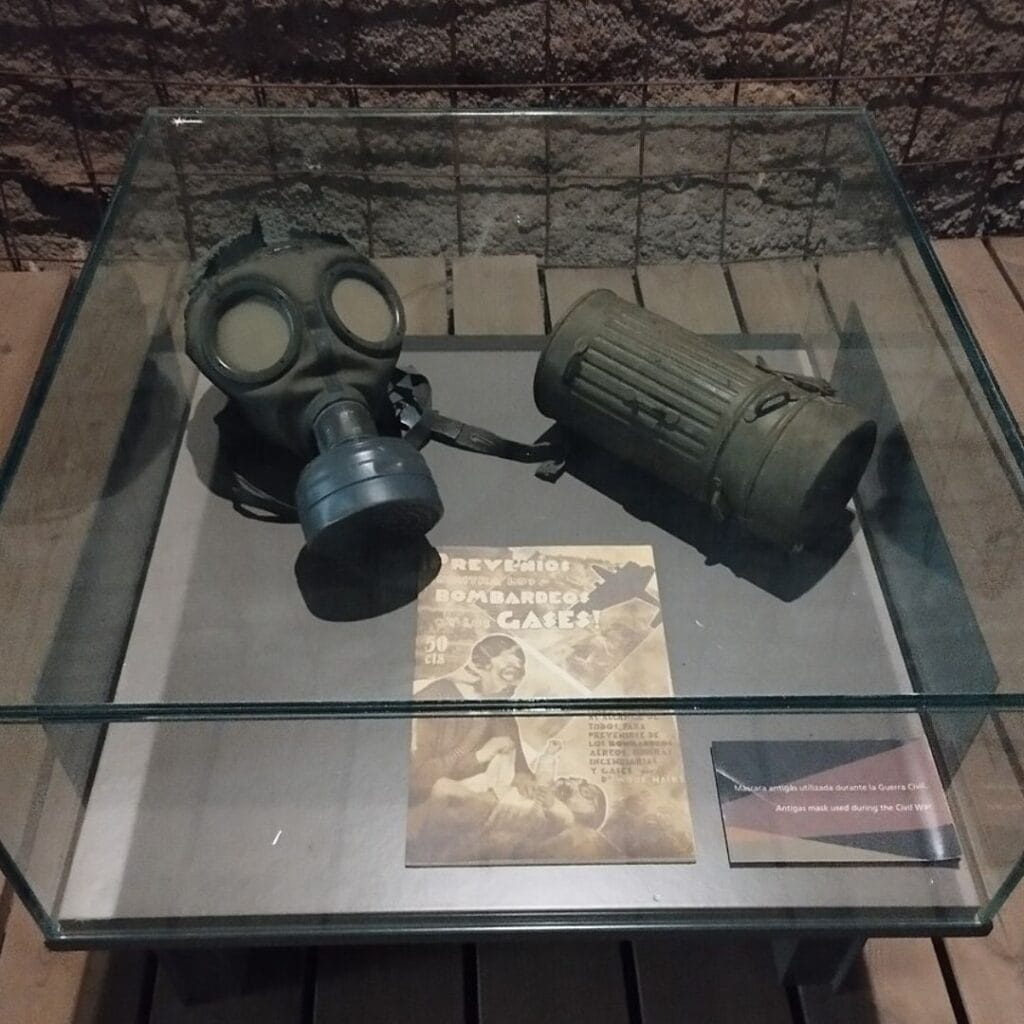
(535, 623)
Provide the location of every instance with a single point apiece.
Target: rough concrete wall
(77, 74)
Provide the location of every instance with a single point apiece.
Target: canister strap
(249, 500)
(411, 399)
(817, 385)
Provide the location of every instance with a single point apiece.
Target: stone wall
(941, 77)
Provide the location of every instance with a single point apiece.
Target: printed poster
(531, 623)
(833, 802)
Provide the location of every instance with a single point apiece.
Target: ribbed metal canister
(778, 453)
(645, 388)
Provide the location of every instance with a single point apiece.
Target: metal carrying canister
(777, 452)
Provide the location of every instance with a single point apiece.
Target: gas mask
(303, 334)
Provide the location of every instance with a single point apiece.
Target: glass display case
(208, 734)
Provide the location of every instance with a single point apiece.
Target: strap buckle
(816, 385)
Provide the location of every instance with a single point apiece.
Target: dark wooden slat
(571, 982)
(270, 990)
(371, 984)
(116, 987)
(709, 981)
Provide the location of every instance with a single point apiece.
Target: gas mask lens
(362, 306)
(251, 336)
(363, 311)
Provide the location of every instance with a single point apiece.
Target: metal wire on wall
(953, 125)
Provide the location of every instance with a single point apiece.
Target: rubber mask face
(277, 325)
(303, 334)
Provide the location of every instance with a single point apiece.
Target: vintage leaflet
(535, 623)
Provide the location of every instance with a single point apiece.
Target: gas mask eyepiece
(303, 334)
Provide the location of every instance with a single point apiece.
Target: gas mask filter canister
(777, 452)
(303, 334)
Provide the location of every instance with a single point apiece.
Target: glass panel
(339, 826)
(184, 689)
(47, 771)
(132, 583)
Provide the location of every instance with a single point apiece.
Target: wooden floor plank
(29, 304)
(898, 981)
(694, 295)
(269, 992)
(685, 979)
(995, 315)
(775, 293)
(383, 984)
(1009, 253)
(571, 981)
(421, 285)
(61, 477)
(781, 296)
(38, 986)
(566, 285)
(706, 305)
(497, 295)
(64, 467)
(975, 501)
(976, 504)
(989, 972)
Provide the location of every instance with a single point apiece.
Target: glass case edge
(1008, 425)
(70, 309)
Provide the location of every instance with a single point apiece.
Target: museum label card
(535, 623)
(832, 801)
